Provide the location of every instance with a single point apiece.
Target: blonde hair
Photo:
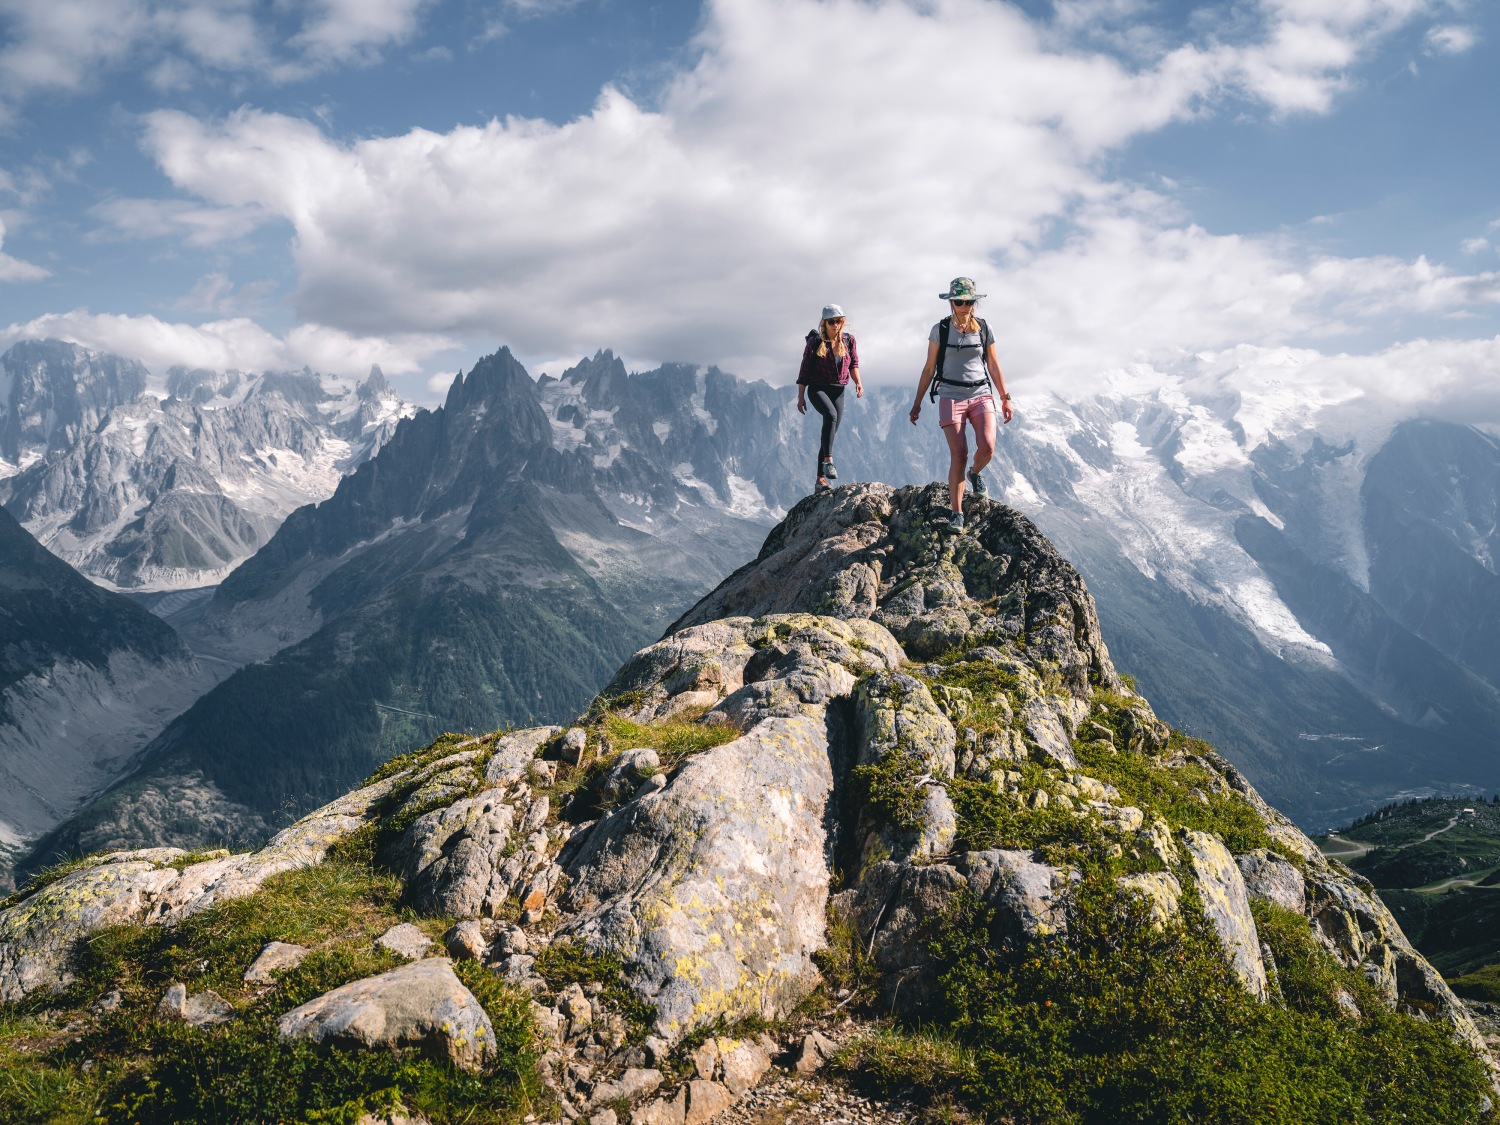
(973, 316)
(839, 349)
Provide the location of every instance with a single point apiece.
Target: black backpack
(985, 340)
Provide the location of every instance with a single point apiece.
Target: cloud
(774, 175)
(236, 342)
(1451, 40)
(216, 294)
(14, 269)
(162, 218)
(71, 45)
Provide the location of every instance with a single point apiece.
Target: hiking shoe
(955, 521)
(976, 484)
(829, 471)
(821, 486)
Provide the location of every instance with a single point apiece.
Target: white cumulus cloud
(236, 342)
(775, 175)
(69, 45)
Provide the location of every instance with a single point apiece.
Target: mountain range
(168, 486)
(87, 678)
(1306, 589)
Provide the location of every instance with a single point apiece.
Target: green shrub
(1185, 795)
(1128, 1022)
(889, 791)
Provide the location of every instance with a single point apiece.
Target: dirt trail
(1340, 848)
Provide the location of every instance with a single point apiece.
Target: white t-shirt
(964, 364)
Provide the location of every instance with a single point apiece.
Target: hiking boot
(976, 484)
(821, 486)
(955, 521)
(829, 471)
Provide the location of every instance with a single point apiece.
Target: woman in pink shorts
(964, 377)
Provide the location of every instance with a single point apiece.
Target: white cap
(832, 312)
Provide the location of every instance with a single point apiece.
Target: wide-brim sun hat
(832, 312)
(961, 289)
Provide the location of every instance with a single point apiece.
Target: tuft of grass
(144, 1070)
(439, 748)
(565, 963)
(896, 1062)
(674, 740)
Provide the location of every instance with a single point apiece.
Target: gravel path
(787, 1099)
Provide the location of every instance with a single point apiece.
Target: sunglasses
(963, 304)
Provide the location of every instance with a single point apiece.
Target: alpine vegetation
(879, 811)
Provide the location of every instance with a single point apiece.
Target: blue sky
(245, 184)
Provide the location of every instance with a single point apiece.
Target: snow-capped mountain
(167, 486)
(1292, 574)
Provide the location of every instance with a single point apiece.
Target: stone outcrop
(712, 889)
(457, 858)
(830, 708)
(1227, 905)
(868, 550)
(38, 933)
(418, 1005)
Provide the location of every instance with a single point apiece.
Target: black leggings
(829, 402)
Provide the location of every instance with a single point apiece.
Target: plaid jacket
(821, 371)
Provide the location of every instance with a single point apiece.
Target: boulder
(574, 745)
(741, 1063)
(705, 1101)
(1274, 879)
(514, 756)
(630, 769)
(1029, 897)
(420, 1005)
(1227, 904)
(1160, 891)
(816, 1050)
(466, 941)
(663, 1111)
(405, 940)
(712, 890)
(454, 856)
(635, 1084)
(202, 1009)
(274, 957)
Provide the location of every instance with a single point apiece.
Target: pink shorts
(953, 411)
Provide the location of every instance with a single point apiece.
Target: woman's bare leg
(958, 458)
(984, 438)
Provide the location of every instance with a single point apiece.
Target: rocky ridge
(875, 726)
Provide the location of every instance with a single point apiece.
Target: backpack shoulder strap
(944, 326)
